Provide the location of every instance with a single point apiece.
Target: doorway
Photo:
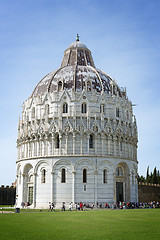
(30, 195)
(119, 191)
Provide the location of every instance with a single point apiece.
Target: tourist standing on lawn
(63, 206)
(78, 206)
(92, 206)
(70, 207)
(81, 206)
(49, 206)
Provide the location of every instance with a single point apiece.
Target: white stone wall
(73, 190)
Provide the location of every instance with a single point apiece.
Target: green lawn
(102, 224)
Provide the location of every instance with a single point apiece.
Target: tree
(147, 175)
(151, 178)
(155, 179)
(158, 176)
(141, 178)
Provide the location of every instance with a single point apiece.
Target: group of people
(119, 205)
(24, 205)
(51, 207)
(132, 205)
(78, 206)
(81, 206)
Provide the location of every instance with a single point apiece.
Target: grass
(134, 224)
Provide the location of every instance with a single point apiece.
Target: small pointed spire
(77, 37)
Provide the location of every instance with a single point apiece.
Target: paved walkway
(6, 212)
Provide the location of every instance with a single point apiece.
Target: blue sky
(124, 37)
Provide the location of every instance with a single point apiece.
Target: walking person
(52, 207)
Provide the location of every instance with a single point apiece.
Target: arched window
(30, 178)
(117, 112)
(65, 108)
(63, 175)
(91, 141)
(119, 172)
(102, 108)
(88, 86)
(105, 176)
(47, 109)
(60, 86)
(84, 108)
(84, 175)
(43, 176)
(33, 112)
(57, 142)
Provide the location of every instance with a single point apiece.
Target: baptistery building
(77, 137)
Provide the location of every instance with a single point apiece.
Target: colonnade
(108, 145)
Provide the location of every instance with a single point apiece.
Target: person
(49, 206)
(23, 204)
(78, 206)
(63, 206)
(70, 207)
(97, 204)
(52, 207)
(81, 206)
(92, 206)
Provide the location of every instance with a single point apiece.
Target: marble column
(52, 186)
(46, 146)
(95, 187)
(114, 146)
(60, 144)
(40, 146)
(95, 141)
(109, 145)
(103, 138)
(74, 143)
(35, 142)
(81, 144)
(66, 150)
(34, 189)
(88, 136)
(114, 182)
(73, 187)
(53, 144)
(124, 148)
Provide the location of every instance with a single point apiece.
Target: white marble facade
(77, 138)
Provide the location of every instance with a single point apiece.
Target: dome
(71, 78)
(77, 44)
(77, 72)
